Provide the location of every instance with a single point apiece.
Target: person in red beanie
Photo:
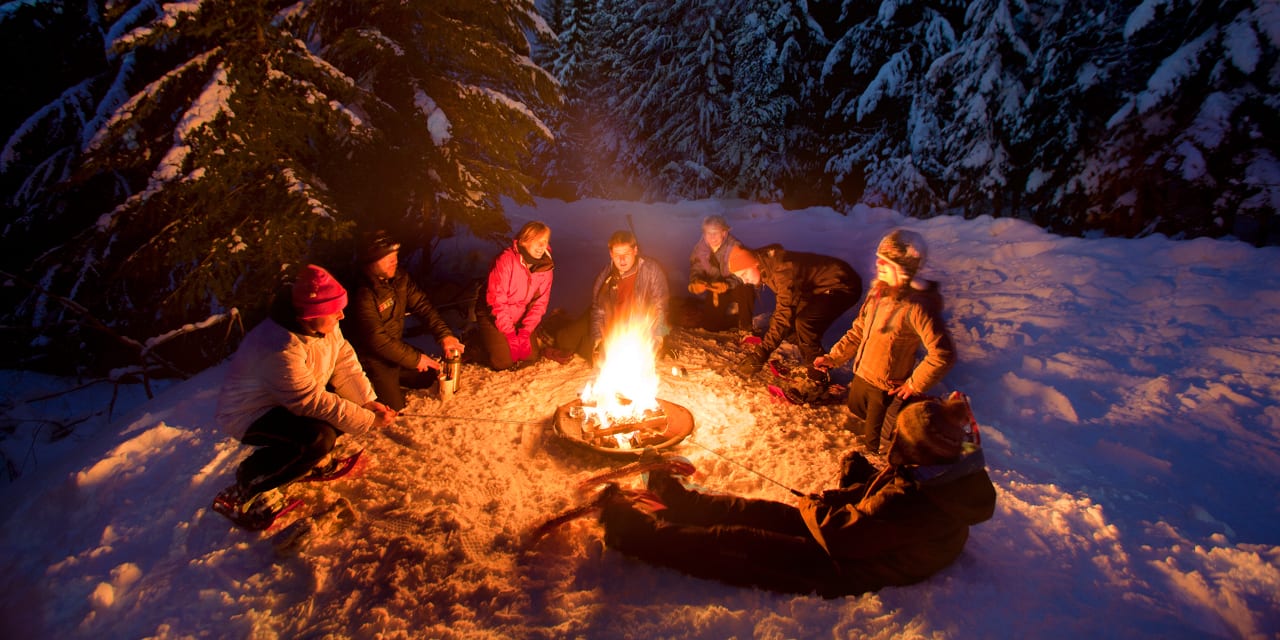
(294, 386)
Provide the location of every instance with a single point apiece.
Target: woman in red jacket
(516, 297)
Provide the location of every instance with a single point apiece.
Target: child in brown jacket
(900, 315)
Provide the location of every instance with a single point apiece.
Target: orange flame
(627, 385)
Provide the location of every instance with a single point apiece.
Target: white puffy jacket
(276, 367)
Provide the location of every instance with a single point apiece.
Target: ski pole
(739, 464)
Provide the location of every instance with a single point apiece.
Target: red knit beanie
(740, 259)
(316, 293)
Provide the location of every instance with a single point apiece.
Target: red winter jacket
(517, 297)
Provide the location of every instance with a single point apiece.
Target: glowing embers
(620, 411)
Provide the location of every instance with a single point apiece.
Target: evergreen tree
(1191, 150)
(754, 148)
(886, 127)
(677, 80)
(973, 100)
(241, 137)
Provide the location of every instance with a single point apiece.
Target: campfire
(620, 410)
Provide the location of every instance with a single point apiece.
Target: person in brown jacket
(893, 527)
(811, 291)
(901, 315)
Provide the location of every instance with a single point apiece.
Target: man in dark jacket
(894, 527)
(382, 298)
(812, 291)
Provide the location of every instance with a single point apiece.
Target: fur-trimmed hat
(905, 249)
(317, 294)
(740, 258)
(376, 246)
(929, 432)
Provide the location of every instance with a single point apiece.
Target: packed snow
(1128, 392)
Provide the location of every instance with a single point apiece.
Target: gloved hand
(718, 287)
(521, 348)
(751, 362)
(697, 287)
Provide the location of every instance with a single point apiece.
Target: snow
(1129, 399)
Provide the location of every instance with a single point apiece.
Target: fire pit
(620, 412)
(659, 429)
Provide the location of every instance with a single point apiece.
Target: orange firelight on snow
(626, 389)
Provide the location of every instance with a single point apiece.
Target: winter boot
(254, 512)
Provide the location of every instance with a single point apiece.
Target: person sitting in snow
(384, 295)
(901, 314)
(811, 290)
(633, 288)
(893, 527)
(516, 297)
(726, 301)
(294, 385)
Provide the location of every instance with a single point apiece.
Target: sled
(613, 441)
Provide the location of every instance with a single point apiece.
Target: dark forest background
(162, 163)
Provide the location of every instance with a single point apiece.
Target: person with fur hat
(383, 296)
(727, 302)
(811, 291)
(294, 386)
(891, 527)
(515, 298)
(901, 315)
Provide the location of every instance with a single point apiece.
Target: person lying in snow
(901, 315)
(894, 527)
(277, 394)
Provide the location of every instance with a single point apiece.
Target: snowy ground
(1128, 392)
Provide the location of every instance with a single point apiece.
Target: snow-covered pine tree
(882, 123)
(974, 95)
(256, 135)
(1192, 148)
(677, 81)
(571, 158)
(754, 147)
(1076, 50)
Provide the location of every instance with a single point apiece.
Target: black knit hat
(377, 245)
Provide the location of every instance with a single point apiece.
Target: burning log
(659, 429)
(620, 410)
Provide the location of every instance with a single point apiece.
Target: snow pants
(733, 309)
(875, 414)
(288, 446)
(814, 315)
(389, 380)
(740, 541)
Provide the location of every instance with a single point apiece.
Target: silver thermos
(449, 376)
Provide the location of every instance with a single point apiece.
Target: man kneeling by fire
(884, 528)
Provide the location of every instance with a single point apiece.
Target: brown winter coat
(795, 276)
(898, 323)
(903, 525)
